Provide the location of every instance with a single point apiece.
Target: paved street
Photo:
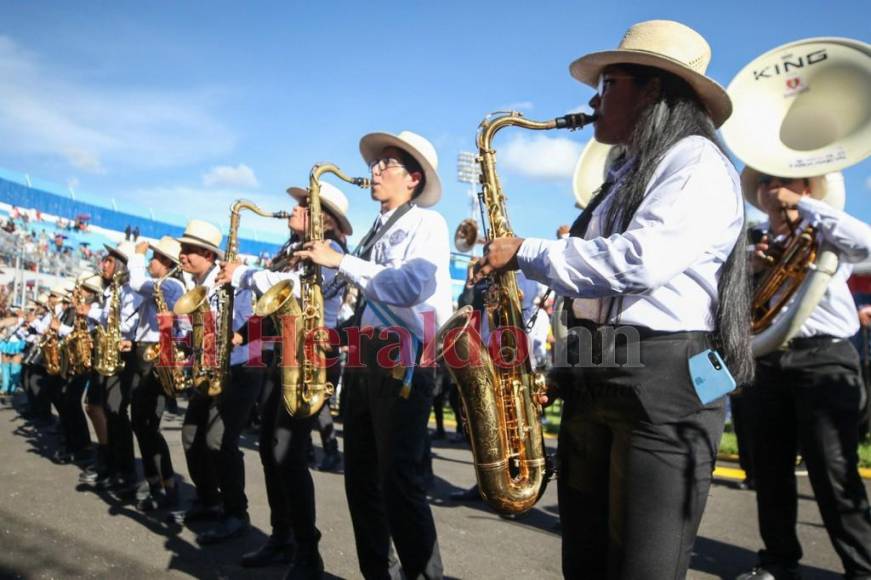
(51, 530)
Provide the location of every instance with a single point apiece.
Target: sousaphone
(802, 111)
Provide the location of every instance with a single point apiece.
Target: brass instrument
(79, 345)
(304, 380)
(107, 340)
(213, 343)
(467, 235)
(50, 345)
(171, 372)
(504, 417)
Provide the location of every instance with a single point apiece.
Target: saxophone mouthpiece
(575, 120)
(361, 182)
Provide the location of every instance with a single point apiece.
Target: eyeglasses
(606, 80)
(380, 165)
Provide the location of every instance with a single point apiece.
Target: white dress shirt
(143, 284)
(262, 280)
(243, 308)
(408, 272)
(667, 263)
(835, 315)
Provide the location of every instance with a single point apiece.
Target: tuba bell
(800, 111)
(467, 235)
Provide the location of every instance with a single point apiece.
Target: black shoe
(147, 495)
(330, 462)
(201, 513)
(231, 527)
(274, 551)
(62, 457)
(124, 486)
(306, 567)
(439, 435)
(467, 495)
(168, 499)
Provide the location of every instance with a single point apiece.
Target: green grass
(728, 445)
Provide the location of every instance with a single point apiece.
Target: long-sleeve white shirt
(408, 272)
(143, 284)
(667, 263)
(835, 315)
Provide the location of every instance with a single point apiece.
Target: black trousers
(284, 442)
(73, 421)
(810, 396)
(118, 427)
(386, 444)
(210, 435)
(324, 419)
(148, 401)
(636, 450)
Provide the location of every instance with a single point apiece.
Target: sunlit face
(298, 220)
(159, 265)
(390, 179)
(107, 267)
(195, 260)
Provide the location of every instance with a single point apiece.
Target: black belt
(804, 342)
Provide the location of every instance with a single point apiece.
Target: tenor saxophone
(52, 353)
(500, 400)
(107, 341)
(304, 383)
(79, 345)
(213, 343)
(170, 372)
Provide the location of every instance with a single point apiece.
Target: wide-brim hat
(202, 234)
(591, 170)
(167, 246)
(42, 299)
(373, 144)
(122, 251)
(333, 200)
(828, 188)
(667, 45)
(91, 281)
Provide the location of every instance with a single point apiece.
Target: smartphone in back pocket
(710, 377)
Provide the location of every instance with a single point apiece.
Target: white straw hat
(667, 45)
(167, 246)
(333, 200)
(202, 234)
(828, 188)
(373, 144)
(122, 251)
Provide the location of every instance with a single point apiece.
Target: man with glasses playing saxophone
(213, 424)
(148, 399)
(285, 439)
(401, 269)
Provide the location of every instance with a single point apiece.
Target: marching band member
(34, 369)
(212, 425)
(148, 399)
(810, 395)
(654, 254)
(284, 440)
(402, 271)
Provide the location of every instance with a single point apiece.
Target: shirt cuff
(532, 258)
(812, 209)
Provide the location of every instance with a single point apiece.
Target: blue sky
(186, 106)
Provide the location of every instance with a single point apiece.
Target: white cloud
(47, 111)
(540, 156)
(240, 176)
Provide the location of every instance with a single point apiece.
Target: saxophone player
(401, 269)
(809, 396)
(212, 425)
(654, 255)
(148, 399)
(285, 439)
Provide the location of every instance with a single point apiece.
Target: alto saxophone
(304, 383)
(107, 343)
(171, 372)
(500, 401)
(213, 343)
(50, 345)
(79, 345)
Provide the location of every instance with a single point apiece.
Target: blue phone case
(710, 376)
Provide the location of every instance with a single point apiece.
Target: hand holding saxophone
(499, 255)
(226, 273)
(320, 252)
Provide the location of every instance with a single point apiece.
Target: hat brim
(827, 188)
(588, 68)
(174, 259)
(373, 144)
(191, 241)
(114, 252)
(298, 193)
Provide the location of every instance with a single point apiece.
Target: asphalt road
(52, 530)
